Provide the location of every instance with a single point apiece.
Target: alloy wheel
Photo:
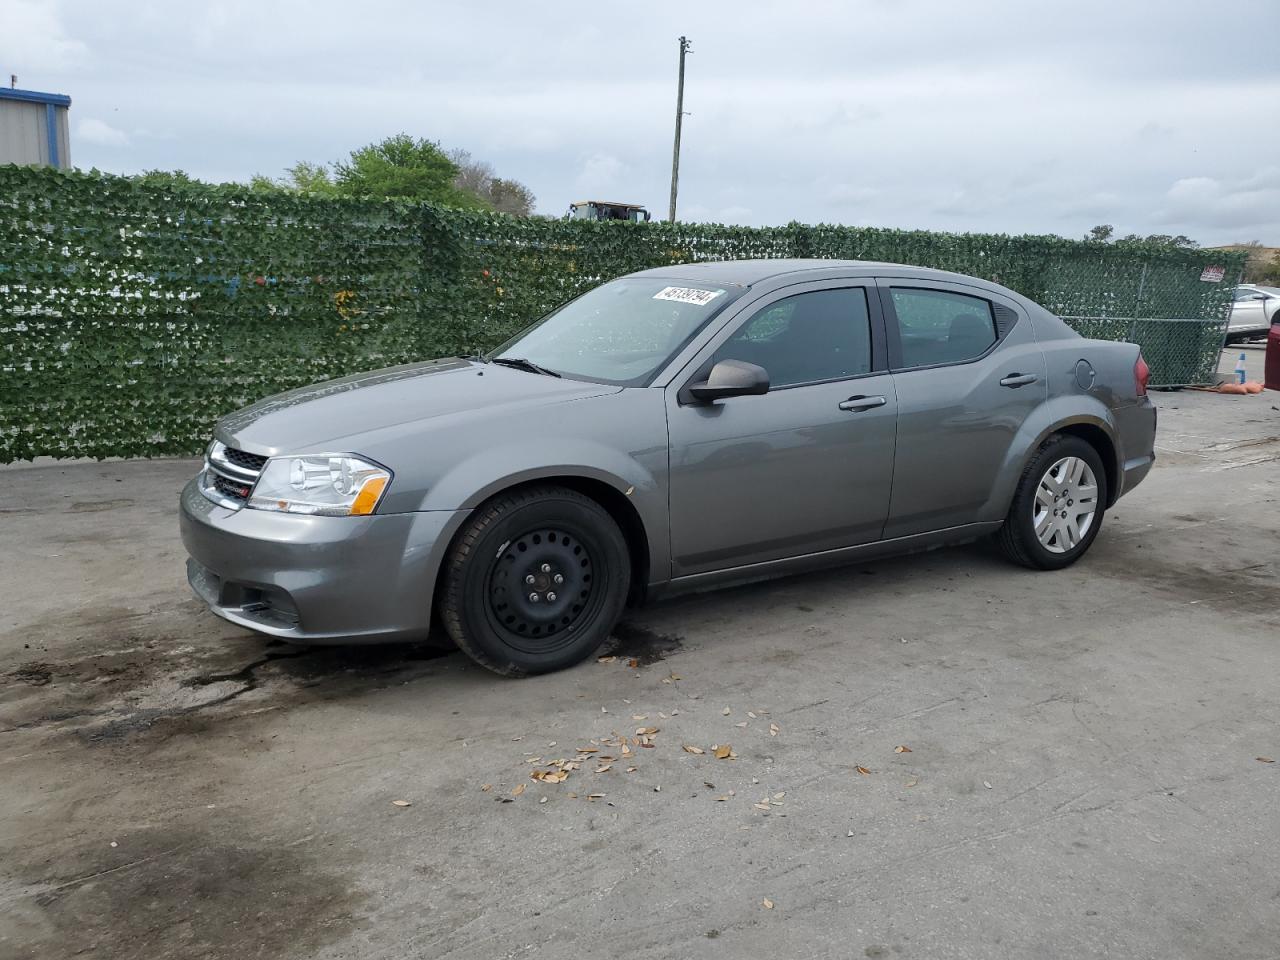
(1066, 505)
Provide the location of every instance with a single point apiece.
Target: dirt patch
(640, 644)
(113, 695)
(170, 892)
(1249, 587)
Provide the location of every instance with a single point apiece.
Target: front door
(803, 468)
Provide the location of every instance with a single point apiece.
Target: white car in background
(1254, 310)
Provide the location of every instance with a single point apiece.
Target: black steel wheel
(535, 581)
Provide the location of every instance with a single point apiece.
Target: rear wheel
(535, 581)
(1058, 506)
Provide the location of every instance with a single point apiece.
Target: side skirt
(770, 569)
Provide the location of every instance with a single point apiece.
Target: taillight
(1141, 375)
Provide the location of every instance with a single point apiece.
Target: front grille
(230, 488)
(230, 475)
(250, 461)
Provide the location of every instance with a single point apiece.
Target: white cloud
(1247, 202)
(599, 176)
(38, 43)
(91, 130)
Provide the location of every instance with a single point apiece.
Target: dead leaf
(595, 796)
(761, 806)
(723, 752)
(726, 711)
(633, 663)
(632, 769)
(648, 745)
(646, 731)
(588, 749)
(708, 784)
(402, 803)
(1264, 760)
(767, 903)
(862, 770)
(912, 782)
(774, 729)
(518, 790)
(902, 749)
(690, 748)
(516, 739)
(752, 715)
(639, 716)
(542, 799)
(486, 787)
(986, 784)
(779, 796)
(743, 724)
(605, 659)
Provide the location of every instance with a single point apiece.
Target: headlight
(324, 485)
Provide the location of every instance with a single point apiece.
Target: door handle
(1018, 379)
(862, 403)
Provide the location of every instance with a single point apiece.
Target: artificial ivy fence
(132, 316)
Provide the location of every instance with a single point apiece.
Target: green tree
(1101, 233)
(165, 178)
(510, 196)
(302, 177)
(401, 166)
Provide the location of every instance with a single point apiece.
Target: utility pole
(675, 151)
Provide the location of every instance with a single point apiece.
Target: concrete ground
(936, 756)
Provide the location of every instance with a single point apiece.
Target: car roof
(750, 272)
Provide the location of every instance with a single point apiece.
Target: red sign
(1213, 274)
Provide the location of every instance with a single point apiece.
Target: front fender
(1047, 419)
(470, 482)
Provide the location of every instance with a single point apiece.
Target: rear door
(803, 468)
(967, 372)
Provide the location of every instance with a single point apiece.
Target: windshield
(621, 332)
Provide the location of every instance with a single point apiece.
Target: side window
(937, 326)
(821, 335)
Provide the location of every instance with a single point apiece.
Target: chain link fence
(133, 316)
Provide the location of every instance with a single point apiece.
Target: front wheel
(1058, 506)
(535, 581)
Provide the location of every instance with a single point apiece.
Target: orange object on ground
(1231, 388)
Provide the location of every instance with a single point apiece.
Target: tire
(543, 533)
(1064, 542)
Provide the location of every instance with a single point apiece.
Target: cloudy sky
(1159, 116)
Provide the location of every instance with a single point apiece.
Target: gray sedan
(672, 430)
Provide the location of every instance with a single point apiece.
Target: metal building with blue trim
(33, 128)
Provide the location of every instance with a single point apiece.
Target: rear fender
(1049, 418)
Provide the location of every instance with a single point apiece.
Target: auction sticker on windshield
(687, 295)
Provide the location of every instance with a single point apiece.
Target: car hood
(314, 418)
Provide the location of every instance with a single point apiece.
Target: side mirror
(731, 378)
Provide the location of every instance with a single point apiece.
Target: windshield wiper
(520, 363)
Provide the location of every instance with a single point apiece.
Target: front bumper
(316, 579)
